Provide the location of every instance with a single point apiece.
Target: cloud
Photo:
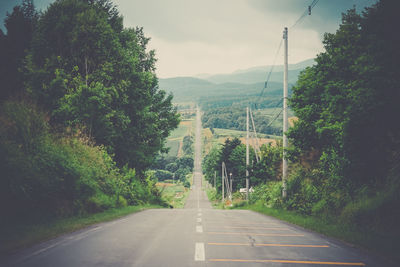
(208, 36)
(220, 36)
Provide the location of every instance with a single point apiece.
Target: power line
(277, 116)
(305, 13)
(271, 69)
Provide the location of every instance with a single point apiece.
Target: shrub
(269, 194)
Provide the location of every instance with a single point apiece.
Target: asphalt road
(194, 236)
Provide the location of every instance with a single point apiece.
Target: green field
(174, 194)
(173, 146)
(176, 137)
(235, 133)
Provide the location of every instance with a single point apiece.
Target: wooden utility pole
(223, 183)
(285, 113)
(247, 154)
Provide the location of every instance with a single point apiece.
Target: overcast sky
(220, 36)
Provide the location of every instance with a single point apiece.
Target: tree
(92, 74)
(347, 102)
(20, 25)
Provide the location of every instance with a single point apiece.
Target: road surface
(194, 236)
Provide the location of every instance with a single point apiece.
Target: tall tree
(347, 103)
(92, 73)
(20, 25)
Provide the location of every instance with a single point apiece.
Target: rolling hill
(239, 84)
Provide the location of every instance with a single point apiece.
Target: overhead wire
(305, 13)
(271, 68)
(298, 21)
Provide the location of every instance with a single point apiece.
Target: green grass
(177, 136)
(25, 234)
(213, 198)
(370, 239)
(235, 133)
(180, 132)
(175, 195)
(173, 146)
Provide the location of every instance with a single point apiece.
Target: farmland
(174, 194)
(175, 140)
(218, 136)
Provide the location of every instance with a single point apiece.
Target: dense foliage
(347, 104)
(233, 154)
(345, 147)
(46, 174)
(176, 168)
(234, 118)
(82, 117)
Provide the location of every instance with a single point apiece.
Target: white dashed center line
(199, 254)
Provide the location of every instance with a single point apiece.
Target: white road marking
(199, 214)
(198, 199)
(44, 249)
(199, 228)
(198, 220)
(199, 254)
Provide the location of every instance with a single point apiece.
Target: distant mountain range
(247, 82)
(259, 74)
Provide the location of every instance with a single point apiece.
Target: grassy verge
(174, 194)
(379, 241)
(213, 198)
(25, 234)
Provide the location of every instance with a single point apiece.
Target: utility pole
(247, 154)
(223, 184)
(215, 178)
(285, 115)
(230, 174)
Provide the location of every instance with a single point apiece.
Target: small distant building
(243, 190)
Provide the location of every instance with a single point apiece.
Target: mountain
(259, 74)
(230, 87)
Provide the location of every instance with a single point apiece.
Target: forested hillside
(82, 117)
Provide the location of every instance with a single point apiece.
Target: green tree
(347, 102)
(20, 25)
(93, 74)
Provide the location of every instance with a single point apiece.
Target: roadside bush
(46, 174)
(269, 194)
(302, 193)
(186, 184)
(163, 175)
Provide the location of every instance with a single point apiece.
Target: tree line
(233, 154)
(234, 117)
(82, 117)
(176, 168)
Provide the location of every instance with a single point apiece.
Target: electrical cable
(305, 13)
(298, 21)
(270, 123)
(272, 68)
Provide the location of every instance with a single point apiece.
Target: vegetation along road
(194, 236)
(107, 155)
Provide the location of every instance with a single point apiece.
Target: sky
(193, 37)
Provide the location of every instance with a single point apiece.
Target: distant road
(194, 236)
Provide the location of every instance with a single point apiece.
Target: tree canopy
(92, 73)
(82, 116)
(347, 104)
